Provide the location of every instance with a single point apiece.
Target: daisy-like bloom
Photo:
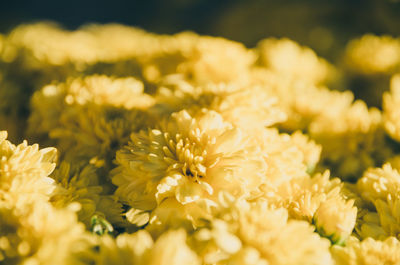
(378, 183)
(47, 44)
(197, 58)
(285, 161)
(189, 159)
(303, 196)
(126, 93)
(301, 101)
(286, 57)
(43, 46)
(368, 252)
(335, 219)
(368, 225)
(380, 187)
(254, 232)
(373, 54)
(82, 185)
(244, 106)
(102, 90)
(24, 172)
(91, 116)
(32, 230)
(390, 110)
(389, 214)
(76, 185)
(348, 139)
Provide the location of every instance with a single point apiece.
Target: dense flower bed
(188, 149)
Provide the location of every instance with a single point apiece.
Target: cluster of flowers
(188, 149)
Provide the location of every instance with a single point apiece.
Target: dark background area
(247, 21)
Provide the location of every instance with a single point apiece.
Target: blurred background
(325, 26)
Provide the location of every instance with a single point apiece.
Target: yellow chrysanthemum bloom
(24, 172)
(254, 232)
(121, 50)
(286, 57)
(76, 185)
(37, 233)
(301, 101)
(378, 183)
(303, 196)
(197, 58)
(373, 54)
(100, 90)
(285, 161)
(83, 185)
(380, 187)
(348, 139)
(335, 218)
(190, 159)
(391, 113)
(389, 214)
(44, 44)
(368, 252)
(368, 225)
(31, 229)
(91, 117)
(244, 106)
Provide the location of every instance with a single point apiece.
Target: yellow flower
(389, 214)
(368, 252)
(368, 225)
(96, 90)
(373, 54)
(301, 101)
(242, 229)
(244, 106)
(286, 57)
(378, 183)
(380, 187)
(24, 171)
(390, 110)
(197, 58)
(82, 185)
(37, 233)
(348, 138)
(172, 214)
(188, 158)
(91, 118)
(74, 185)
(303, 196)
(335, 219)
